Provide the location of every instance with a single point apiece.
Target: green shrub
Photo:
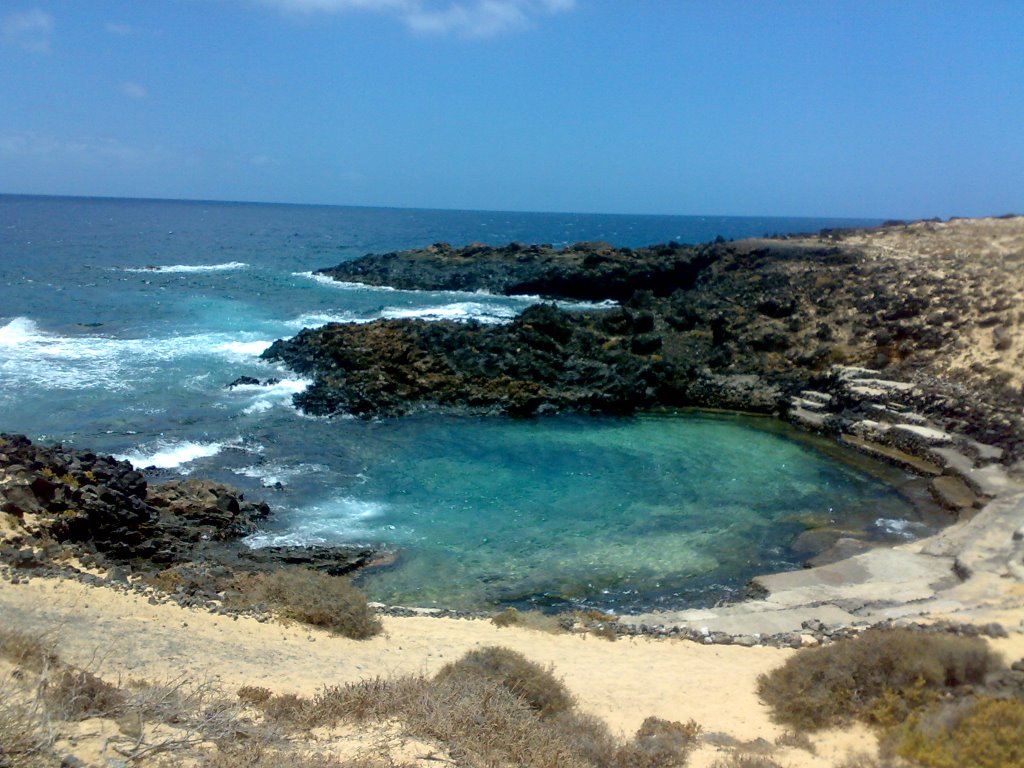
(537, 686)
(980, 733)
(315, 598)
(828, 685)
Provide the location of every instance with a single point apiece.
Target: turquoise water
(121, 322)
(622, 514)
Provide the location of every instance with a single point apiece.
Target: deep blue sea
(121, 322)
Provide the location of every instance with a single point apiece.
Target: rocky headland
(747, 325)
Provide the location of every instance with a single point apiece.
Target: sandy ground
(121, 635)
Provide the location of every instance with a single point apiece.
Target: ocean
(123, 321)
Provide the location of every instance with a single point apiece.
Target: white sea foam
(493, 314)
(262, 398)
(271, 475)
(907, 529)
(168, 455)
(18, 331)
(185, 268)
(342, 519)
(318, 319)
(31, 357)
(462, 311)
(585, 305)
(243, 348)
(342, 284)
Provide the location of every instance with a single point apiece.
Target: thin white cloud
(340, 6)
(476, 18)
(133, 90)
(79, 151)
(29, 30)
(121, 30)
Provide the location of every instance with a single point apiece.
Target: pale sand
(122, 635)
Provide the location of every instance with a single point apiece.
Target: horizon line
(450, 210)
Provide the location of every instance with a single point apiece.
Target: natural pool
(621, 514)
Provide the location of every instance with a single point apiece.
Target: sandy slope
(123, 635)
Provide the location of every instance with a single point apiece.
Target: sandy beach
(121, 635)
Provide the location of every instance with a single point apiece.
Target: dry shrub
(251, 754)
(740, 760)
(495, 707)
(981, 733)
(862, 760)
(77, 694)
(25, 737)
(27, 650)
(201, 711)
(288, 709)
(828, 685)
(796, 740)
(371, 699)
(315, 598)
(658, 744)
(542, 622)
(254, 695)
(537, 686)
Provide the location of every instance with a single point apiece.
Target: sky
(896, 109)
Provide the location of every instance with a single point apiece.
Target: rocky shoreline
(903, 342)
(77, 512)
(746, 326)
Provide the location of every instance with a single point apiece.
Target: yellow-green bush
(315, 598)
(981, 733)
(878, 674)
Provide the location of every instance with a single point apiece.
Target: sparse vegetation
(591, 622)
(311, 597)
(879, 676)
(739, 760)
(658, 743)
(492, 707)
(537, 686)
(982, 733)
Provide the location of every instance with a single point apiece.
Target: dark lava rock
(589, 271)
(101, 509)
(743, 325)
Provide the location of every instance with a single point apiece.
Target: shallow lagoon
(616, 513)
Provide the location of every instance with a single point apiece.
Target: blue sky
(874, 109)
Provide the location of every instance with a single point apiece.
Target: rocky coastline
(745, 325)
(75, 512)
(904, 342)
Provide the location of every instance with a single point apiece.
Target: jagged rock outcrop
(91, 504)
